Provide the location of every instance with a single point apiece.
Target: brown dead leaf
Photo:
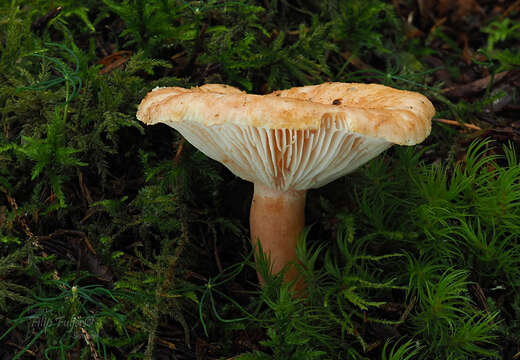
(414, 33)
(441, 74)
(473, 87)
(113, 61)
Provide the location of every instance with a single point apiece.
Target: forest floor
(120, 241)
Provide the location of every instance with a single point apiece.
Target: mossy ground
(119, 241)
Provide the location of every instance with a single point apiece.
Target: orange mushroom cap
(292, 139)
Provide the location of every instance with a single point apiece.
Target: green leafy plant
(406, 351)
(289, 331)
(77, 313)
(51, 154)
(500, 30)
(11, 291)
(360, 25)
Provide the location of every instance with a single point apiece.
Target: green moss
(154, 235)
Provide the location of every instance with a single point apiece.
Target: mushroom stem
(277, 218)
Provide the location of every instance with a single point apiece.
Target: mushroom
(289, 141)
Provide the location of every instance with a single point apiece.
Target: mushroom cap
(292, 139)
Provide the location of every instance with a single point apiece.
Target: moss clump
(129, 243)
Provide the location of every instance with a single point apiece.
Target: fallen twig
(456, 123)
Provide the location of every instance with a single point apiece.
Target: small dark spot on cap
(277, 94)
(336, 102)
